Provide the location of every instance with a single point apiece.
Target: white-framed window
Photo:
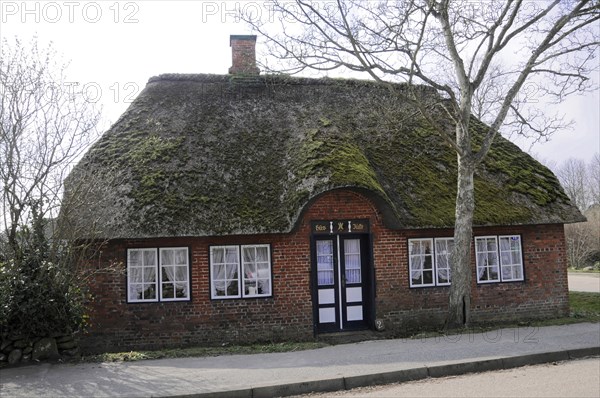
(420, 260)
(142, 283)
(225, 271)
(501, 262)
(256, 263)
(486, 255)
(158, 274)
(240, 271)
(174, 274)
(511, 258)
(443, 252)
(429, 261)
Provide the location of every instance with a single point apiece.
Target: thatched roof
(199, 155)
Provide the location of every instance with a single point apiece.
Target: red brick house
(247, 208)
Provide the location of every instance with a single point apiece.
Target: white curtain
(510, 255)
(142, 273)
(443, 252)
(417, 259)
(250, 259)
(352, 260)
(256, 268)
(325, 262)
(487, 258)
(225, 267)
(175, 270)
(481, 257)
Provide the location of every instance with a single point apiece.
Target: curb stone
(418, 373)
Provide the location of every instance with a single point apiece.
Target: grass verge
(595, 270)
(204, 351)
(585, 305)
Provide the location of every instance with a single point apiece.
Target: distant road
(584, 282)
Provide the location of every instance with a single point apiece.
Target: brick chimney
(243, 55)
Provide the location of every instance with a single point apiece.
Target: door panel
(340, 264)
(327, 290)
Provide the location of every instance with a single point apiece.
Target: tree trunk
(460, 290)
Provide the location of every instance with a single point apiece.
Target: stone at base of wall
(19, 349)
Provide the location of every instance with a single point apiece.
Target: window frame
(488, 252)
(187, 281)
(498, 252)
(270, 271)
(211, 263)
(410, 264)
(241, 280)
(434, 259)
(158, 282)
(130, 299)
(512, 265)
(448, 255)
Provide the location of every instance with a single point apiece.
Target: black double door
(341, 282)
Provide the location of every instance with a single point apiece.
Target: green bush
(39, 294)
(39, 303)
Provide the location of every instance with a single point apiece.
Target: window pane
(486, 254)
(135, 291)
(150, 257)
(421, 262)
(136, 274)
(511, 258)
(181, 273)
(324, 262)
(149, 274)
(167, 291)
(231, 255)
(264, 286)
(181, 257)
(166, 257)
(352, 261)
(443, 253)
(262, 254)
(256, 271)
(134, 258)
(224, 271)
(231, 271)
(250, 271)
(174, 273)
(150, 292)
(141, 273)
(180, 291)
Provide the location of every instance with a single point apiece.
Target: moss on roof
(212, 155)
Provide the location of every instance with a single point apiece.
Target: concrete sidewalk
(326, 369)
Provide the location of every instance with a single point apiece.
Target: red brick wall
(243, 56)
(117, 325)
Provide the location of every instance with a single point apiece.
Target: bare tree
(573, 176)
(594, 179)
(581, 183)
(480, 56)
(46, 123)
(582, 241)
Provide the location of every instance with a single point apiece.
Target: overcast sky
(115, 47)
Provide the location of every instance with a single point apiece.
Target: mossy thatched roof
(198, 155)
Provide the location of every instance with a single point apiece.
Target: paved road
(584, 282)
(579, 378)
